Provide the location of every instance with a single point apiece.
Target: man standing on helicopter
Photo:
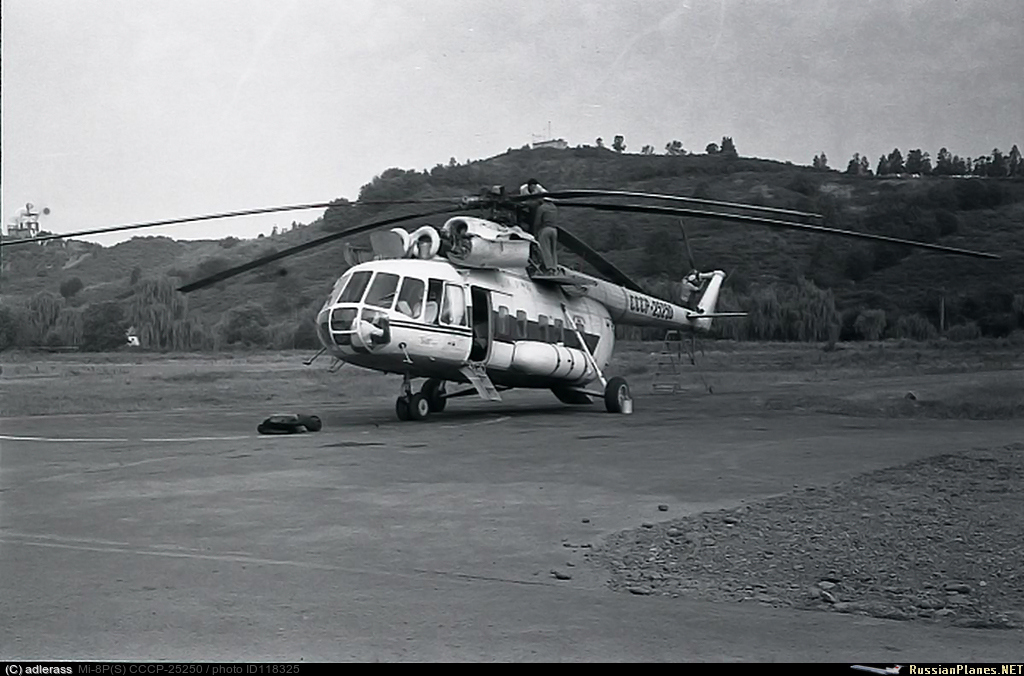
(542, 224)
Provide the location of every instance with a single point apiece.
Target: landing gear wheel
(402, 409)
(433, 392)
(419, 407)
(616, 395)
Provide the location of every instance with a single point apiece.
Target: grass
(1000, 397)
(979, 379)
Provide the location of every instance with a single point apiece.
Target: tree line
(919, 163)
(158, 315)
(799, 312)
(674, 147)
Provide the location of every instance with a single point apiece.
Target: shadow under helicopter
(486, 413)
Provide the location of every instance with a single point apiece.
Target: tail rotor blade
(689, 254)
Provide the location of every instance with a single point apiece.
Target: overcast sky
(116, 111)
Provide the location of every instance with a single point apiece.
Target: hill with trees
(796, 286)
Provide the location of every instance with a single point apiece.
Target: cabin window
(556, 332)
(542, 328)
(382, 291)
(502, 330)
(432, 310)
(521, 324)
(355, 287)
(454, 309)
(410, 298)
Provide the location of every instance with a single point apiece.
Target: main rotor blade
(756, 220)
(171, 221)
(572, 194)
(600, 263)
(291, 251)
(421, 200)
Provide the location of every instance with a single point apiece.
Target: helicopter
(464, 307)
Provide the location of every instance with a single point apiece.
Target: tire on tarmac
(616, 394)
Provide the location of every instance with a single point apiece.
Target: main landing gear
(616, 396)
(431, 398)
(616, 391)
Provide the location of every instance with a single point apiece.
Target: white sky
(116, 111)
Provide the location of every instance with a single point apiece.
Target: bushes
(914, 327)
(968, 331)
(103, 328)
(870, 324)
(978, 194)
(245, 325)
(162, 319)
(12, 323)
(211, 266)
(43, 309)
(69, 287)
(69, 327)
(947, 222)
(797, 313)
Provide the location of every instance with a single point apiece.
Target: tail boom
(633, 308)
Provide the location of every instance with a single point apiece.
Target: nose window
(341, 319)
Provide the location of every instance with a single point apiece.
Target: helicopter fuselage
(429, 318)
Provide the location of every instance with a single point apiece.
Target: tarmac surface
(185, 535)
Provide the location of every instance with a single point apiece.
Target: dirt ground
(858, 505)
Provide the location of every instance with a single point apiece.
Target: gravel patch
(939, 540)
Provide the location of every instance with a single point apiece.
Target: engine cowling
(478, 243)
(423, 242)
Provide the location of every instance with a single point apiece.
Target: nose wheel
(410, 405)
(414, 407)
(434, 392)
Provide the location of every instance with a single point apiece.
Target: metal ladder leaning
(667, 376)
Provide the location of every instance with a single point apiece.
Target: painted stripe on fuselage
(434, 328)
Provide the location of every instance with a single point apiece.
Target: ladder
(667, 377)
(476, 374)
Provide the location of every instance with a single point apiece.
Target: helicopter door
(481, 323)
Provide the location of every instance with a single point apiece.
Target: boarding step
(476, 373)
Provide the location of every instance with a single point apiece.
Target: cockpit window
(339, 284)
(355, 287)
(382, 291)
(410, 298)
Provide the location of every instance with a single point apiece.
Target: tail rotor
(686, 242)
